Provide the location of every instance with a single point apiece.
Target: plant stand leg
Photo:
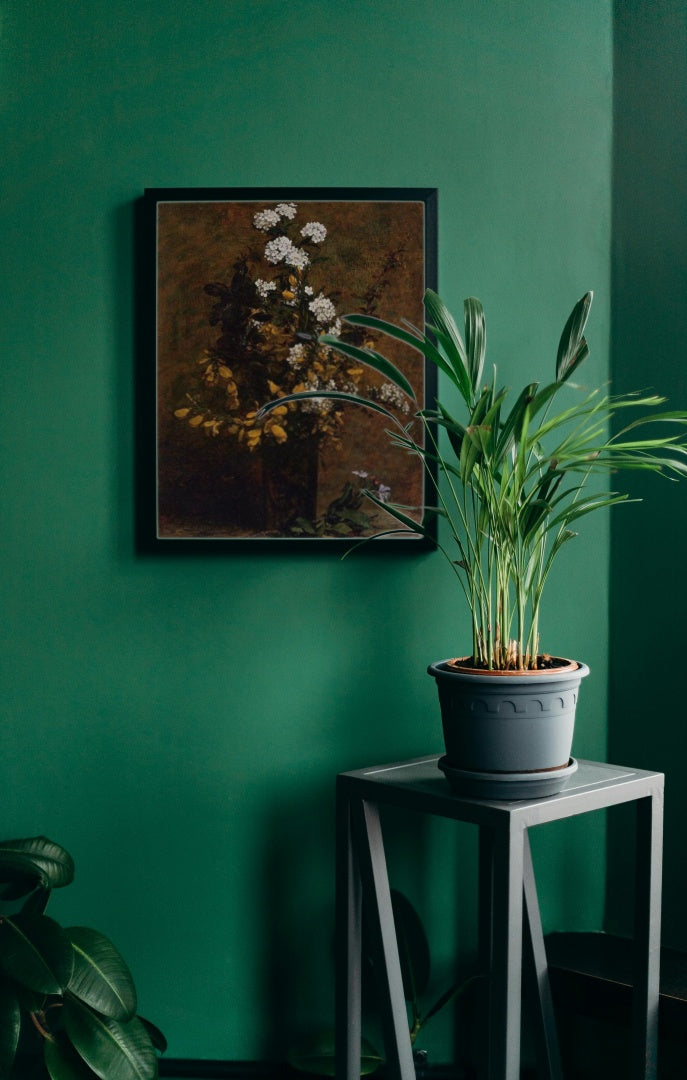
(548, 1053)
(348, 945)
(647, 938)
(501, 915)
(368, 841)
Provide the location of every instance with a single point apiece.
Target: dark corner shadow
(298, 896)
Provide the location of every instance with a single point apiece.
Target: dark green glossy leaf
(572, 348)
(317, 1055)
(36, 857)
(413, 947)
(37, 902)
(454, 429)
(100, 976)
(10, 1024)
(443, 320)
(35, 951)
(156, 1037)
(512, 427)
(475, 339)
(477, 437)
(394, 511)
(444, 328)
(63, 1062)
(330, 395)
(372, 359)
(416, 340)
(113, 1050)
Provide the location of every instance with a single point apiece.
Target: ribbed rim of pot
(568, 671)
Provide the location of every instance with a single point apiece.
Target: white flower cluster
(296, 355)
(265, 287)
(336, 328)
(281, 249)
(315, 232)
(391, 394)
(268, 219)
(323, 309)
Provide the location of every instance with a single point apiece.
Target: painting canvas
(246, 283)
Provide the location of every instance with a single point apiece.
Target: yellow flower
(196, 421)
(181, 414)
(288, 295)
(277, 431)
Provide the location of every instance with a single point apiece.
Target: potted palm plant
(512, 475)
(67, 999)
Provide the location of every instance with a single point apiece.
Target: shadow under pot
(508, 735)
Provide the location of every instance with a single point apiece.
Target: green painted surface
(177, 722)
(649, 330)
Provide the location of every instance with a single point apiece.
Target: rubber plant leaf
(156, 1037)
(63, 1062)
(37, 902)
(114, 1051)
(317, 1055)
(413, 947)
(100, 976)
(36, 857)
(36, 952)
(10, 1024)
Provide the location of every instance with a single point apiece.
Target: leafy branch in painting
(268, 345)
(270, 316)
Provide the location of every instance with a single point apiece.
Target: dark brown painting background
(205, 484)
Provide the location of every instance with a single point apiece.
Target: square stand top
(419, 784)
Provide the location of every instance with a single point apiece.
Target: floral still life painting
(246, 287)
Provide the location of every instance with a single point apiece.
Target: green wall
(649, 332)
(177, 721)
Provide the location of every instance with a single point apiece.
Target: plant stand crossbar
(510, 929)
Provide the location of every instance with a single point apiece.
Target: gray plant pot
(508, 723)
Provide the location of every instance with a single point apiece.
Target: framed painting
(246, 282)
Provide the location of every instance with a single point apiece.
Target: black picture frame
(227, 328)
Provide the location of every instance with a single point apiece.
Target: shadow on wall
(298, 893)
(426, 861)
(647, 725)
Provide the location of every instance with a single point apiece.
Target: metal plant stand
(508, 907)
